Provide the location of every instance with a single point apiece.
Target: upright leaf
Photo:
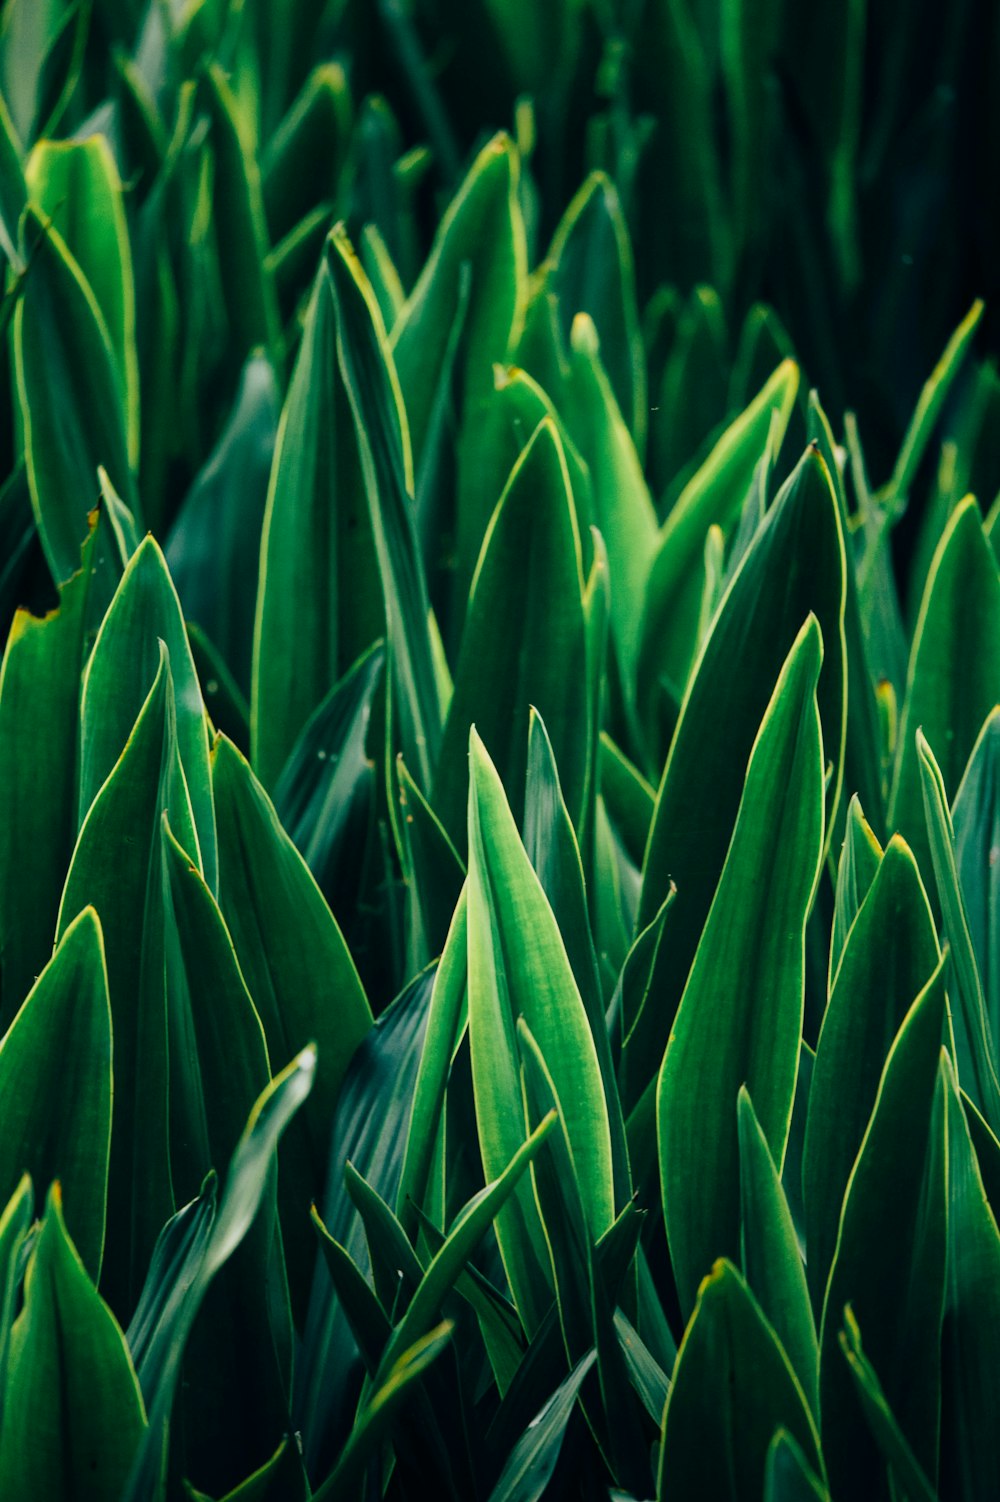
(740, 1018)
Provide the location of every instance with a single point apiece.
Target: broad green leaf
(772, 1264)
(241, 232)
(55, 1083)
(73, 1416)
(76, 185)
(39, 725)
(295, 962)
(518, 967)
(890, 954)
(589, 266)
(732, 1388)
(976, 821)
(386, 465)
(318, 602)
(740, 1017)
(969, 1469)
(117, 869)
(531, 552)
(213, 548)
(144, 613)
(953, 680)
(629, 798)
(529, 1466)
(976, 1041)
(713, 496)
(795, 566)
(889, 1262)
(71, 399)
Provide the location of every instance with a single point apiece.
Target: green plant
(441, 654)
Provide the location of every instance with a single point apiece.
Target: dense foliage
(499, 750)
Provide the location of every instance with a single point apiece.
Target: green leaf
(386, 465)
(71, 399)
(529, 1467)
(969, 1469)
(550, 841)
(297, 968)
(144, 613)
(740, 1018)
(622, 506)
(732, 1388)
(75, 184)
(241, 232)
(589, 267)
(57, 1101)
(375, 1417)
(788, 1476)
(772, 1264)
(928, 409)
(903, 1466)
(324, 788)
(319, 603)
(13, 190)
(73, 1414)
(434, 870)
(206, 1252)
(213, 548)
(482, 226)
(889, 1263)
(444, 1026)
(279, 1479)
(533, 550)
(890, 954)
(795, 566)
(859, 861)
(15, 1222)
(518, 966)
(976, 820)
(312, 136)
(117, 869)
(976, 1040)
(713, 496)
(39, 724)
(953, 680)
